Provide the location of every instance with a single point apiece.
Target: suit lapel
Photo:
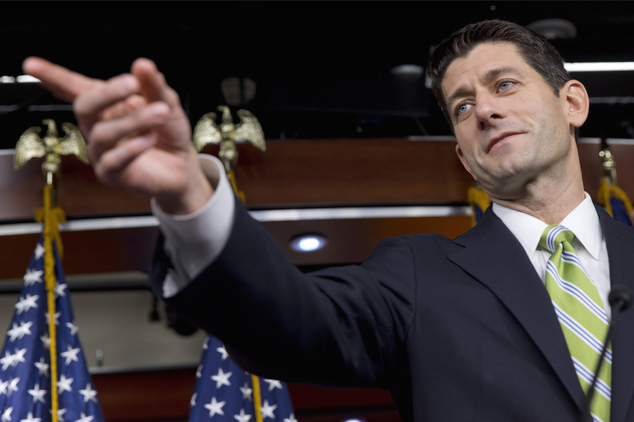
(495, 257)
(620, 243)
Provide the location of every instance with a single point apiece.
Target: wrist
(195, 194)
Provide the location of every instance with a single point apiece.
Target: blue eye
(505, 85)
(462, 108)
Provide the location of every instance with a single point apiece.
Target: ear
(577, 102)
(464, 162)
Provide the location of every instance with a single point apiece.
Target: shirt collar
(583, 221)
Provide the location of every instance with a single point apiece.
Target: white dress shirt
(589, 242)
(194, 241)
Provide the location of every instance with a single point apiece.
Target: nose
(488, 110)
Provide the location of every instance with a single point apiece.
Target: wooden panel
(133, 396)
(308, 172)
(143, 395)
(85, 252)
(352, 171)
(351, 241)
(79, 192)
(592, 170)
(100, 251)
(289, 172)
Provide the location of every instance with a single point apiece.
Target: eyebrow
(491, 75)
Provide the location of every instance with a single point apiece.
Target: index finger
(61, 82)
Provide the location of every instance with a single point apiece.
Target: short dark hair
(538, 52)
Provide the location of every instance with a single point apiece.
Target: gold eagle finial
(228, 134)
(31, 145)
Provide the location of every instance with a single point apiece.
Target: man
(457, 330)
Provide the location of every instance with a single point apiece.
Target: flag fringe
(479, 202)
(608, 191)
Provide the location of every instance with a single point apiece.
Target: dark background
(322, 69)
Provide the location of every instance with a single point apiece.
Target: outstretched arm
(138, 135)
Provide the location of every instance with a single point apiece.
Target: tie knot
(554, 235)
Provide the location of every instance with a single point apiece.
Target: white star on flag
(223, 352)
(21, 331)
(26, 303)
(55, 318)
(192, 402)
(73, 328)
(242, 417)
(33, 276)
(246, 392)
(205, 343)
(291, 418)
(215, 407)
(6, 416)
(274, 384)
(199, 371)
(60, 289)
(64, 384)
(89, 394)
(39, 251)
(46, 341)
(71, 354)
(267, 410)
(221, 378)
(6, 361)
(42, 367)
(19, 356)
(225, 392)
(30, 418)
(85, 418)
(38, 395)
(13, 385)
(60, 415)
(12, 360)
(26, 383)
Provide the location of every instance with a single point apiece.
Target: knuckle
(105, 170)
(99, 172)
(79, 107)
(91, 152)
(97, 134)
(173, 95)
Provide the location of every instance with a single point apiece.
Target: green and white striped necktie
(581, 315)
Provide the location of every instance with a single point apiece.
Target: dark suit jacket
(457, 330)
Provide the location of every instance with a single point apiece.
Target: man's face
(508, 122)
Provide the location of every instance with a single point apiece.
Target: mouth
(501, 138)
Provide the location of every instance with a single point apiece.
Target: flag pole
(610, 195)
(227, 135)
(479, 201)
(51, 231)
(257, 395)
(31, 145)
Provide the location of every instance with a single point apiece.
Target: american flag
(224, 392)
(25, 378)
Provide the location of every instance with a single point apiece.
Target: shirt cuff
(195, 240)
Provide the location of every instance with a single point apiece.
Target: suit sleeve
(343, 326)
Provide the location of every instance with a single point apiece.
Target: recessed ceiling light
(598, 66)
(22, 79)
(407, 69)
(308, 242)
(554, 28)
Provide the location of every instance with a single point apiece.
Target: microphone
(620, 298)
